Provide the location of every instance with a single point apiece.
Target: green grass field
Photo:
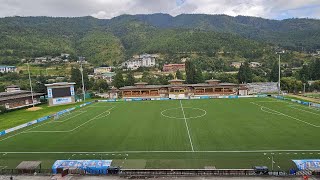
(21, 116)
(224, 133)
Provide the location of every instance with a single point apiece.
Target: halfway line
(185, 120)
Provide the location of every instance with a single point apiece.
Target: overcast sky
(105, 9)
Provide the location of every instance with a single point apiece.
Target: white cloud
(111, 8)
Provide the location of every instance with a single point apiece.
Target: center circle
(184, 113)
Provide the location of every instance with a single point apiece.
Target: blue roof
(7, 66)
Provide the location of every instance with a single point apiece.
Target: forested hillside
(114, 40)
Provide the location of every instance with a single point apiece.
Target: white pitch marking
(195, 117)
(304, 110)
(287, 115)
(262, 109)
(185, 120)
(96, 117)
(117, 152)
(69, 117)
(41, 124)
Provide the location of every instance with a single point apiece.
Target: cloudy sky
(105, 9)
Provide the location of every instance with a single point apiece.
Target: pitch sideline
(133, 152)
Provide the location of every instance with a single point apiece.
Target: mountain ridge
(113, 40)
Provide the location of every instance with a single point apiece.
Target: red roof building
(174, 67)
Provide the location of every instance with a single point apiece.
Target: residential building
(65, 55)
(174, 67)
(82, 61)
(7, 69)
(144, 60)
(236, 64)
(101, 70)
(12, 88)
(108, 76)
(255, 64)
(40, 60)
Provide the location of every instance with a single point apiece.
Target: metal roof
(14, 93)
(17, 95)
(178, 85)
(61, 84)
(28, 165)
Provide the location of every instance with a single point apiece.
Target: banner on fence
(2, 133)
(298, 101)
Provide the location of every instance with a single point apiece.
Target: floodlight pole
(83, 91)
(279, 86)
(30, 84)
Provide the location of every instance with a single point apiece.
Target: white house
(236, 64)
(6, 69)
(65, 55)
(255, 64)
(144, 60)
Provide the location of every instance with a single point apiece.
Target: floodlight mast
(81, 70)
(279, 75)
(30, 82)
(279, 85)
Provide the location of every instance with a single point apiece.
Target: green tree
(130, 79)
(198, 76)
(76, 77)
(40, 84)
(245, 74)
(118, 81)
(291, 85)
(190, 72)
(315, 69)
(179, 75)
(274, 74)
(101, 85)
(304, 73)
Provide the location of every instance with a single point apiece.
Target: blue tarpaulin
(307, 164)
(90, 166)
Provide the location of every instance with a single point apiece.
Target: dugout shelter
(94, 167)
(29, 167)
(61, 93)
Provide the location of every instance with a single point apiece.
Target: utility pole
(81, 70)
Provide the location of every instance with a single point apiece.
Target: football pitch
(220, 133)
